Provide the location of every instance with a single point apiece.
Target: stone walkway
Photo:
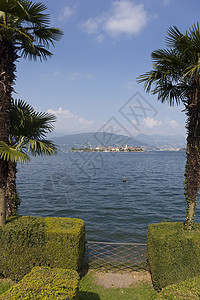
(121, 279)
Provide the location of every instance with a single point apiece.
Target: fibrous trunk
(192, 173)
(7, 76)
(11, 190)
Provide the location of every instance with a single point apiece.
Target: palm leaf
(174, 68)
(26, 122)
(15, 31)
(27, 27)
(28, 129)
(26, 10)
(41, 147)
(46, 36)
(35, 11)
(174, 37)
(33, 52)
(8, 153)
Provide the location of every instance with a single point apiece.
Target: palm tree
(27, 135)
(175, 78)
(24, 32)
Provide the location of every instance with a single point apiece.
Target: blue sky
(90, 82)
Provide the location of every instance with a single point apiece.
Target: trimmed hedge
(30, 241)
(64, 242)
(45, 283)
(173, 253)
(189, 289)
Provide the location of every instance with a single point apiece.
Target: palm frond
(192, 71)
(149, 78)
(41, 147)
(11, 7)
(33, 52)
(172, 93)
(167, 58)
(18, 32)
(27, 27)
(176, 67)
(35, 11)
(47, 36)
(174, 37)
(25, 121)
(26, 10)
(29, 128)
(193, 39)
(8, 153)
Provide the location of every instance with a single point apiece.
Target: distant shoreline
(139, 150)
(109, 149)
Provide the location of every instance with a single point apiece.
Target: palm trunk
(11, 190)
(7, 76)
(2, 207)
(192, 173)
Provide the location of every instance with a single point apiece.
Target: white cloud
(91, 25)
(151, 122)
(173, 124)
(127, 17)
(124, 17)
(90, 76)
(56, 73)
(100, 38)
(68, 121)
(66, 13)
(74, 76)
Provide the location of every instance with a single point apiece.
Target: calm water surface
(90, 186)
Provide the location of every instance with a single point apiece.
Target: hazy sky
(90, 82)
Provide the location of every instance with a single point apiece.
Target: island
(109, 149)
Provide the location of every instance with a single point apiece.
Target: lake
(90, 186)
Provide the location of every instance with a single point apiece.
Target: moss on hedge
(30, 241)
(45, 283)
(189, 289)
(173, 253)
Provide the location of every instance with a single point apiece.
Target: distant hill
(160, 141)
(94, 139)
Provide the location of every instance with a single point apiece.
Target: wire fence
(115, 256)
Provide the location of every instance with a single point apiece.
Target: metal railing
(115, 256)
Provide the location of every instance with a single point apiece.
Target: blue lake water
(90, 186)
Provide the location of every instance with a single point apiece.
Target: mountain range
(160, 141)
(105, 139)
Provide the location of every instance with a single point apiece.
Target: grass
(89, 290)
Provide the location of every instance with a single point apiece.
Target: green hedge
(173, 253)
(189, 289)
(65, 242)
(45, 283)
(29, 241)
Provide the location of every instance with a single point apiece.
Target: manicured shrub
(29, 241)
(45, 283)
(189, 289)
(5, 285)
(173, 253)
(64, 242)
(22, 244)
